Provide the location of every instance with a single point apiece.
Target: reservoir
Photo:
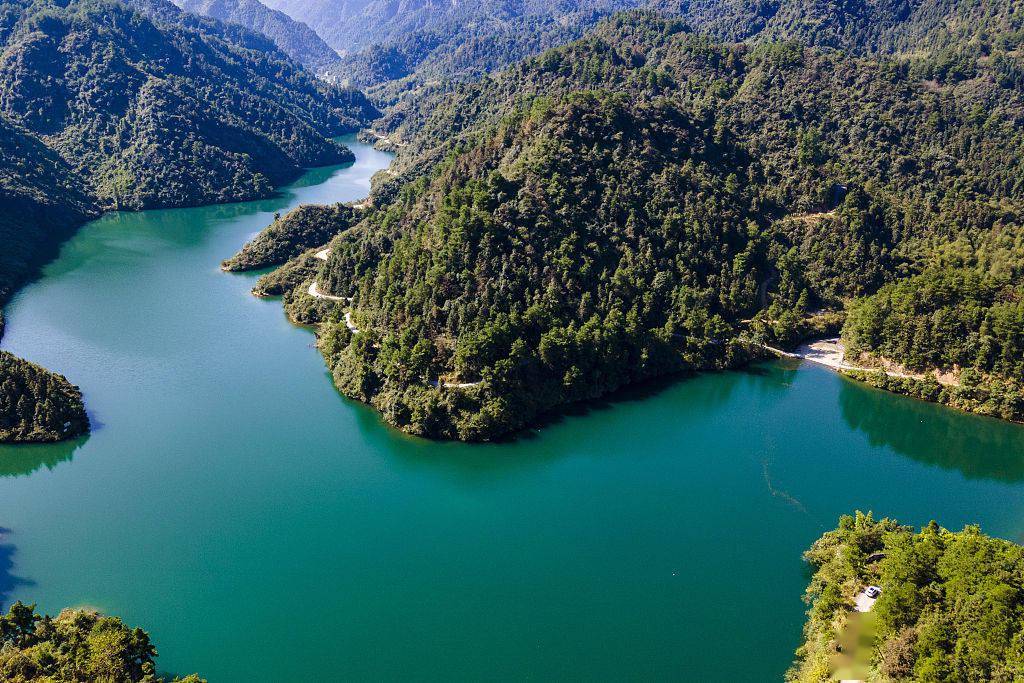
(263, 528)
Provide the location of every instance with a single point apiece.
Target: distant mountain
(352, 25)
(442, 40)
(295, 39)
(467, 46)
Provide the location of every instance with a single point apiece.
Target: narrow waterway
(263, 528)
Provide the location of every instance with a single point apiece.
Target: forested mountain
(859, 26)
(465, 47)
(641, 200)
(161, 108)
(294, 38)
(949, 609)
(77, 645)
(352, 25)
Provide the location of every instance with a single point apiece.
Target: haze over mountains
(294, 38)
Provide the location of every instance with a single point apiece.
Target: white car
(872, 591)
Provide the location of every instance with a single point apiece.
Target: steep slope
(859, 26)
(41, 202)
(545, 243)
(159, 108)
(293, 38)
(465, 47)
(350, 26)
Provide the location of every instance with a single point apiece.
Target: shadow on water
(23, 459)
(688, 397)
(631, 393)
(316, 176)
(978, 447)
(8, 581)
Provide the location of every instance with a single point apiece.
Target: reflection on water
(8, 581)
(934, 434)
(685, 399)
(19, 460)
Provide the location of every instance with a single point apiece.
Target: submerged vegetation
(949, 609)
(76, 646)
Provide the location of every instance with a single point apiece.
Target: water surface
(262, 527)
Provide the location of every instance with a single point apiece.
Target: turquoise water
(262, 527)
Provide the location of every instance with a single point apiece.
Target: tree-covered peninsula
(77, 646)
(647, 200)
(949, 607)
(297, 231)
(36, 404)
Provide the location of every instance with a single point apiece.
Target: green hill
(637, 202)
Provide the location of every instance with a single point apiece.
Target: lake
(262, 527)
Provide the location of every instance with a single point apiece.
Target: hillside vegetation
(76, 646)
(462, 41)
(950, 607)
(642, 200)
(154, 107)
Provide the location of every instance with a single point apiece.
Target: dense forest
(646, 200)
(293, 38)
(950, 607)
(465, 46)
(36, 404)
(154, 107)
(436, 41)
(76, 646)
